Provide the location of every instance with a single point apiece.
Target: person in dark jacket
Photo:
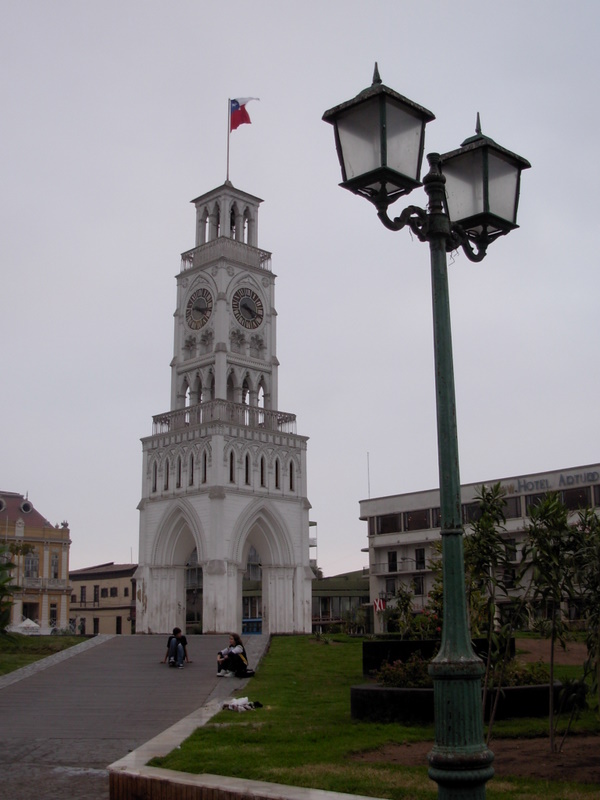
(176, 649)
(232, 661)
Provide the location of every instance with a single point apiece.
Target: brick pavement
(64, 720)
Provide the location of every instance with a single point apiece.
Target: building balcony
(385, 568)
(224, 411)
(228, 250)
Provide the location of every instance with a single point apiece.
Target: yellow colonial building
(40, 553)
(103, 599)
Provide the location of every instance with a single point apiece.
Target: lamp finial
(376, 78)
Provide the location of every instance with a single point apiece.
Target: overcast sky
(113, 117)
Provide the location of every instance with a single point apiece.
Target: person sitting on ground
(232, 661)
(176, 649)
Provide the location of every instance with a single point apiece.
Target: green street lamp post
(473, 195)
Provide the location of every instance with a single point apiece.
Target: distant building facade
(342, 601)
(40, 553)
(103, 599)
(403, 528)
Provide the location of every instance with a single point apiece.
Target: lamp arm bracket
(416, 218)
(458, 238)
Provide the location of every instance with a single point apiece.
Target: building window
(32, 565)
(390, 587)
(73, 598)
(178, 484)
(154, 476)
(191, 471)
(471, 512)
(54, 566)
(166, 482)
(597, 495)
(389, 523)
(512, 507)
(204, 467)
(277, 474)
(263, 472)
(575, 499)
(96, 594)
(392, 561)
(82, 626)
(247, 470)
(82, 594)
(534, 500)
(52, 620)
(420, 558)
(104, 592)
(231, 468)
(119, 626)
(418, 585)
(96, 626)
(292, 481)
(114, 591)
(126, 591)
(436, 517)
(416, 520)
(510, 550)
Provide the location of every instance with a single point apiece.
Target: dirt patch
(525, 758)
(534, 649)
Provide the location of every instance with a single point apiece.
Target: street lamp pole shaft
(460, 762)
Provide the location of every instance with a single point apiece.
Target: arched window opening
(247, 470)
(263, 472)
(231, 468)
(292, 477)
(204, 467)
(154, 476)
(277, 474)
(166, 481)
(230, 388)
(245, 392)
(178, 482)
(232, 217)
(191, 470)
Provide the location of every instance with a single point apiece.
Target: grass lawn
(304, 736)
(18, 651)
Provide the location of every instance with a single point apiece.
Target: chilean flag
(237, 112)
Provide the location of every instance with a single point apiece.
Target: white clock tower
(224, 470)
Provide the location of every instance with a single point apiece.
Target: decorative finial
(478, 125)
(376, 78)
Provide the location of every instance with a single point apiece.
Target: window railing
(224, 411)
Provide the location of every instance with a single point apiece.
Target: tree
(551, 552)
(7, 588)
(588, 582)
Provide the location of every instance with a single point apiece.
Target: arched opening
(292, 477)
(191, 470)
(166, 475)
(231, 467)
(178, 481)
(263, 471)
(154, 476)
(193, 593)
(277, 474)
(252, 594)
(247, 473)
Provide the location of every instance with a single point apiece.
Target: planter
(385, 704)
(379, 651)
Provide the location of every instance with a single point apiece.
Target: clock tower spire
(224, 469)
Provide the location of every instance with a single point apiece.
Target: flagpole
(228, 134)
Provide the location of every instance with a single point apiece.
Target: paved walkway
(63, 720)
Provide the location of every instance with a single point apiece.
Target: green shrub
(411, 673)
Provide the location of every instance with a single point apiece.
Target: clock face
(199, 308)
(247, 308)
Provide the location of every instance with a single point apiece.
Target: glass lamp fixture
(379, 136)
(482, 187)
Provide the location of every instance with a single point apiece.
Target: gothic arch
(179, 531)
(262, 526)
